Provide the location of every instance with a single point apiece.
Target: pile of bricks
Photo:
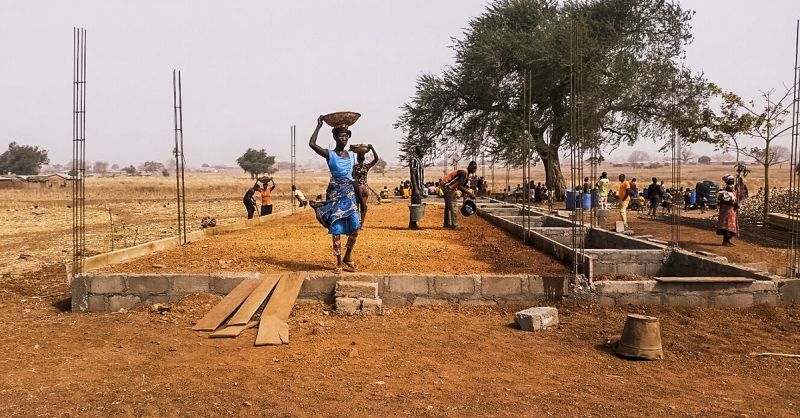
(358, 298)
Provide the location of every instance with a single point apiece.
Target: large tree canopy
(256, 162)
(22, 159)
(632, 84)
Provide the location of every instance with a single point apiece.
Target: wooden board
(255, 300)
(232, 331)
(704, 279)
(273, 329)
(226, 306)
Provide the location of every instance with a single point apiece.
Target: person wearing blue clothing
(339, 212)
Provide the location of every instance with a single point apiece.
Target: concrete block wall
(682, 263)
(110, 293)
(718, 295)
(646, 263)
(605, 239)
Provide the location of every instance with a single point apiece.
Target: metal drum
(641, 338)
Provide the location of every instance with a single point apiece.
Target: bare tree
(686, 154)
(100, 167)
(767, 125)
(637, 157)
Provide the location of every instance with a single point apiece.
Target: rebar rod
(78, 151)
(793, 256)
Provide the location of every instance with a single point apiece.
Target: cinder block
(617, 287)
(416, 285)
(372, 306)
(79, 294)
(631, 268)
(349, 289)
(767, 298)
(686, 300)
(222, 285)
(107, 284)
(619, 226)
(534, 319)
(790, 291)
(736, 300)
(535, 285)
(190, 284)
(148, 284)
(319, 285)
(97, 303)
(348, 306)
(454, 285)
(116, 303)
(501, 285)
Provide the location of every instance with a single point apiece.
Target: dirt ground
(385, 245)
(427, 361)
(432, 361)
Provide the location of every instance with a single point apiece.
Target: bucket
(641, 338)
(417, 212)
(587, 201)
(570, 199)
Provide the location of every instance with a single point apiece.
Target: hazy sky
(253, 68)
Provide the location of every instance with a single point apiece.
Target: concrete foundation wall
(682, 263)
(604, 239)
(113, 292)
(719, 295)
(646, 263)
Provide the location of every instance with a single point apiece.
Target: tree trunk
(766, 178)
(554, 179)
(548, 152)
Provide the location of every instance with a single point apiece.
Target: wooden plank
(226, 306)
(704, 279)
(232, 331)
(273, 329)
(255, 300)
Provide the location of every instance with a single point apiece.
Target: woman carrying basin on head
(339, 212)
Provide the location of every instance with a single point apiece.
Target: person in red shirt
(456, 180)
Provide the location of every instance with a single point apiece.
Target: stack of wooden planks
(242, 304)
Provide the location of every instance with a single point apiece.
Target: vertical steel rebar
(793, 258)
(180, 161)
(78, 150)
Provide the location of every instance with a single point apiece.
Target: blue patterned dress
(339, 212)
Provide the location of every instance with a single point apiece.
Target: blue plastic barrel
(693, 198)
(595, 198)
(587, 201)
(570, 199)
